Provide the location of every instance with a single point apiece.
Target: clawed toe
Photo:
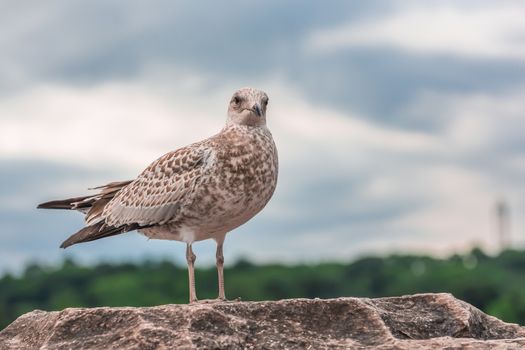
(224, 300)
(212, 301)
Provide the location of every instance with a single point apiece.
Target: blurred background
(400, 127)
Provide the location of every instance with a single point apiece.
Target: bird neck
(232, 122)
(243, 129)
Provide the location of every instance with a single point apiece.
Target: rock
(422, 321)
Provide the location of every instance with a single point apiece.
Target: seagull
(198, 192)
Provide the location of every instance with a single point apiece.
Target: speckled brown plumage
(197, 192)
(234, 180)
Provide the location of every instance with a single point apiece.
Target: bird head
(248, 107)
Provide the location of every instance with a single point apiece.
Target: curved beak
(257, 109)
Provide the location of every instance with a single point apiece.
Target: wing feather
(156, 196)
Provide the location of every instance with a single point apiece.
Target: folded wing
(157, 195)
(153, 198)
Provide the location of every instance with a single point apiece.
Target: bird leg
(190, 258)
(220, 269)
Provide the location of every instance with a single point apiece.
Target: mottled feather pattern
(97, 203)
(237, 185)
(156, 196)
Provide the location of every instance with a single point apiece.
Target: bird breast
(240, 180)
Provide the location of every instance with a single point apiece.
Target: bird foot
(224, 300)
(218, 300)
(210, 301)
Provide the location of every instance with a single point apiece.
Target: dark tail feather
(62, 204)
(97, 231)
(83, 204)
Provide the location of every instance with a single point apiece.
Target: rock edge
(421, 321)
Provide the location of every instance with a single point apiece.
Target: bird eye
(265, 101)
(236, 100)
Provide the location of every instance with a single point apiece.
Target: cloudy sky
(399, 124)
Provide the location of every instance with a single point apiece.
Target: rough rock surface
(422, 321)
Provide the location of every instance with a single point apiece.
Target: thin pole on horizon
(503, 224)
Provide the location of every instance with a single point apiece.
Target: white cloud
(476, 122)
(485, 122)
(124, 124)
(497, 31)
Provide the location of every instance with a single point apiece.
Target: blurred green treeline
(496, 285)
